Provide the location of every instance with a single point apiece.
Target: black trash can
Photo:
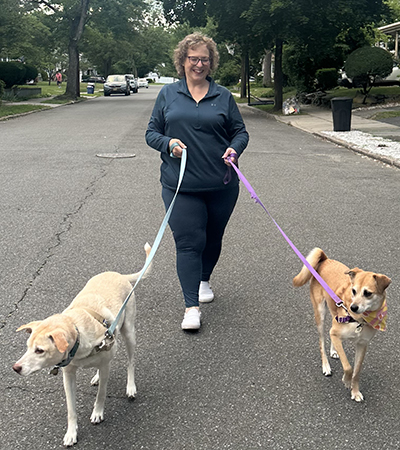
(341, 112)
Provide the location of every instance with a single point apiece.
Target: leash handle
(110, 331)
(316, 275)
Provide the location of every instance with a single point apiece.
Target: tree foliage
(193, 12)
(57, 27)
(306, 35)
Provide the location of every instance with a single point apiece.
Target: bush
(12, 73)
(228, 74)
(299, 68)
(365, 64)
(327, 79)
(31, 72)
(2, 87)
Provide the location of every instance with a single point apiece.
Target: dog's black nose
(354, 308)
(17, 368)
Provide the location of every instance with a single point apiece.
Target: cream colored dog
(76, 338)
(364, 297)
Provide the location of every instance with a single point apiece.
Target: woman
(202, 117)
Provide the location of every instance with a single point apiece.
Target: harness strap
(110, 331)
(97, 316)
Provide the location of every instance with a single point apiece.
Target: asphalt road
(251, 378)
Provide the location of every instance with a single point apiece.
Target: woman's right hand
(177, 148)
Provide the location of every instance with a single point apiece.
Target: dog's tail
(133, 277)
(315, 257)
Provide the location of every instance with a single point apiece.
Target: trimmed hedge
(2, 87)
(13, 73)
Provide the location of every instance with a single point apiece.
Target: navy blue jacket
(207, 128)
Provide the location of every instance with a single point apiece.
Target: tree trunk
(73, 85)
(267, 78)
(278, 75)
(77, 25)
(243, 76)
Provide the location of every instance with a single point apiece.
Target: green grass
(391, 95)
(385, 115)
(51, 94)
(52, 90)
(11, 110)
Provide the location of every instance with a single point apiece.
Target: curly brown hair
(192, 41)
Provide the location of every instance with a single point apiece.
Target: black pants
(198, 222)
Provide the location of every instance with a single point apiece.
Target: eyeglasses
(195, 60)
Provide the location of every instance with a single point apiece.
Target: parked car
(116, 84)
(142, 82)
(132, 82)
(391, 80)
(93, 79)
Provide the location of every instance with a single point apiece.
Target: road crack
(63, 229)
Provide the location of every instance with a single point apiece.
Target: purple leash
(253, 195)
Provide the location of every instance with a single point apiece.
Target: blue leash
(110, 331)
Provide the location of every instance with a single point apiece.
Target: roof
(392, 28)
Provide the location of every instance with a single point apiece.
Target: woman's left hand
(230, 151)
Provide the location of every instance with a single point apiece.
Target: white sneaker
(191, 320)
(206, 295)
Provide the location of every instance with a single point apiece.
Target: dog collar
(377, 319)
(345, 319)
(69, 358)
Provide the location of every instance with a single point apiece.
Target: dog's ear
(59, 339)
(353, 272)
(382, 281)
(29, 326)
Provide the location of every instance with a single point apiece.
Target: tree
(315, 34)
(70, 17)
(9, 26)
(274, 22)
(365, 64)
(193, 12)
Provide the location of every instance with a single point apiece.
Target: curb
(14, 116)
(44, 108)
(382, 158)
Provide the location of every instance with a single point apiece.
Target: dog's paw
(131, 391)
(357, 396)
(334, 354)
(95, 380)
(326, 370)
(70, 438)
(97, 417)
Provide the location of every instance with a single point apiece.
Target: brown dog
(75, 338)
(364, 297)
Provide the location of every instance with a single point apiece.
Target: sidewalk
(370, 137)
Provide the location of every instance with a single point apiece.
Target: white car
(133, 84)
(142, 82)
(391, 80)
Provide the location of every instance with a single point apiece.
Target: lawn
(49, 94)
(52, 90)
(11, 110)
(391, 94)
